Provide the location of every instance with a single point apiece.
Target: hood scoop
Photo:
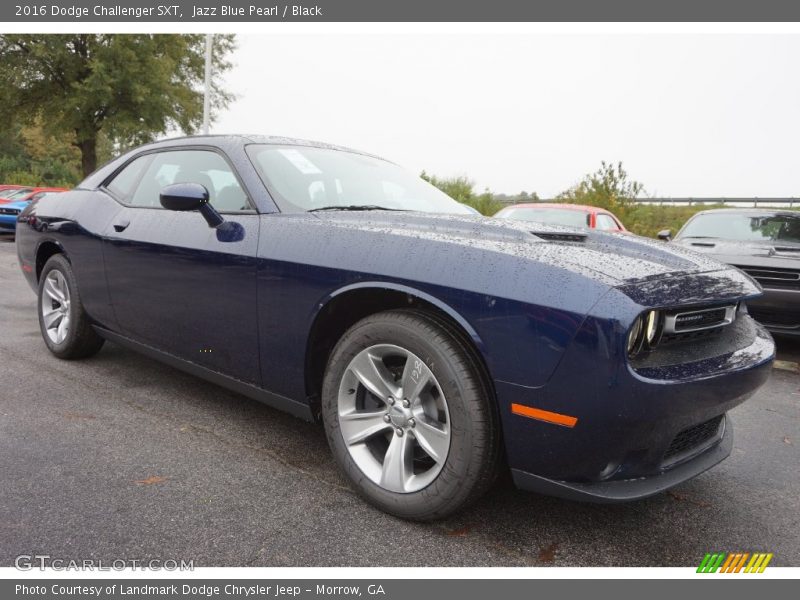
(704, 244)
(787, 248)
(554, 236)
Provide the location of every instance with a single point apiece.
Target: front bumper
(778, 310)
(629, 419)
(626, 490)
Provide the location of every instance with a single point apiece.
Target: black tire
(80, 341)
(474, 452)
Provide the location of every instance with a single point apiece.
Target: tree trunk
(88, 148)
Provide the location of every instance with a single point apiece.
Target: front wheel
(409, 415)
(64, 323)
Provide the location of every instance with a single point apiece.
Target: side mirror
(665, 234)
(183, 196)
(190, 196)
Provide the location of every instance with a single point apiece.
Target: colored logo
(735, 562)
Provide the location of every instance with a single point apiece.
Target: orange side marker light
(544, 415)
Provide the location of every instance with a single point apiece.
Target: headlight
(635, 337)
(645, 332)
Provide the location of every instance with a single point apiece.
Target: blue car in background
(435, 347)
(10, 210)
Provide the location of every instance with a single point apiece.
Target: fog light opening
(610, 470)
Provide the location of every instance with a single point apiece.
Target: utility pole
(207, 86)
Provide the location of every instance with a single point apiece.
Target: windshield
(744, 227)
(551, 216)
(15, 194)
(302, 178)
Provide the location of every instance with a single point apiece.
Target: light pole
(207, 84)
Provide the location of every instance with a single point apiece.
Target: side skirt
(293, 407)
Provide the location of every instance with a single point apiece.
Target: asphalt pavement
(120, 457)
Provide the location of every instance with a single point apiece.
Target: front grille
(772, 317)
(692, 438)
(698, 319)
(684, 321)
(9, 211)
(774, 277)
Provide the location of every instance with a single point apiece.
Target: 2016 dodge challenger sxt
(434, 345)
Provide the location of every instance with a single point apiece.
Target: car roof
(225, 142)
(217, 139)
(39, 190)
(578, 207)
(748, 211)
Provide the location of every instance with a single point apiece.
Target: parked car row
(765, 244)
(15, 198)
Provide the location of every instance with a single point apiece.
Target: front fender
(518, 342)
(405, 289)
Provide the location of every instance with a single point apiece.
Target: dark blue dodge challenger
(436, 347)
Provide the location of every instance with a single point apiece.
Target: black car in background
(765, 244)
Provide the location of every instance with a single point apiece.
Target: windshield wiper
(353, 207)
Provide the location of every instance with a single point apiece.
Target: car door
(175, 283)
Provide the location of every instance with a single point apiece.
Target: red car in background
(569, 215)
(6, 189)
(25, 194)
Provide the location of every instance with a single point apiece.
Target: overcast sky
(689, 115)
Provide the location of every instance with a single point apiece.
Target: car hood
(614, 258)
(775, 254)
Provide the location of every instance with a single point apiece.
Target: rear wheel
(64, 323)
(409, 416)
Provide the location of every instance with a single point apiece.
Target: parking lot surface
(120, 457)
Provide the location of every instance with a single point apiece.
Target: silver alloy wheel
(55, 306)
(393, 418)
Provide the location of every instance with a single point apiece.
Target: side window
(205, 167)
(124, 183)
(606, 222)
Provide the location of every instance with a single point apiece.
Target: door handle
(121, 225)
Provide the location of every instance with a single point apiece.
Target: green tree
(461, 188)
(458, 188)
(29, 156)
(524, 196)
(609, 187)
(486, 203)
(100, 89)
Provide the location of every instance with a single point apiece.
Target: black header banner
(199, 11)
